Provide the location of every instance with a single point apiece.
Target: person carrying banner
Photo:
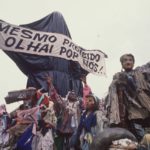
(128, 99)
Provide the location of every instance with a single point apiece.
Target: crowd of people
(48, 121)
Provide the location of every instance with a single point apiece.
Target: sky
(113, 26)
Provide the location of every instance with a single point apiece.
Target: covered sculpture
(36, 68)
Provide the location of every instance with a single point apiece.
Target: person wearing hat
(88, 122)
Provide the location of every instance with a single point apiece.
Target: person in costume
(128, 99)
(88, 124)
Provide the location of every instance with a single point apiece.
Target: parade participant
(128, 100)
(68, 113)
(4, 125)
(86, 89)
(88, 123)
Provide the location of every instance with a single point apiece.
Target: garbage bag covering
(65, 73)
(104, 139)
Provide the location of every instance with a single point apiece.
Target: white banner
(18, 39)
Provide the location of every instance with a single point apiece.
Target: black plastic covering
(65, 73)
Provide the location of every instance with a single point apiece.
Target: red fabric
(45, 101)
(86, 91)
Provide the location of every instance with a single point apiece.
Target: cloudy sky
(113, 26)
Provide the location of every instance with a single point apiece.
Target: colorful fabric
(2, 109)
(42, 99)
(70, 117)
(4, 138)
(50, 117)
(41, 142)
(25, 141)
(30, 115)
(87, 122)
(86, 91)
